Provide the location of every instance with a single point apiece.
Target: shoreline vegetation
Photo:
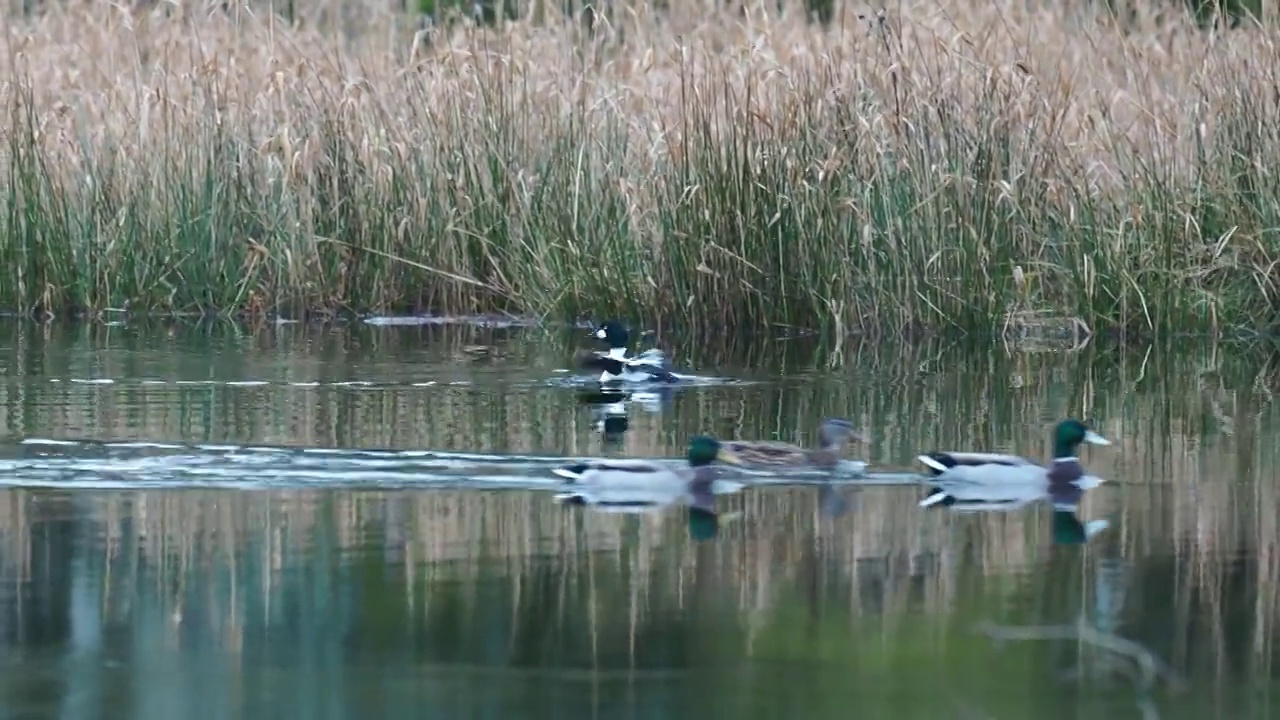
(988, 168)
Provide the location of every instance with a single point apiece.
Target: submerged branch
(1151, 665)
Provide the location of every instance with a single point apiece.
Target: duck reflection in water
(986, 482)
(610, 409)
(699, 498)
(1063, 497)
(640, 486)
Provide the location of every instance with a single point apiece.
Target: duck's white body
(987, 480)
(633, 485)
(626, 473)
(649, 366)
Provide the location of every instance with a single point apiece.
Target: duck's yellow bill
(728, 456)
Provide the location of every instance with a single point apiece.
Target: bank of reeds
(967, 165)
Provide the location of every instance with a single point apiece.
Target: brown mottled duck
(832, 436)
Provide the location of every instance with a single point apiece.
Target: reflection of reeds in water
(1191, 452)
(914, 397)
(885, 560)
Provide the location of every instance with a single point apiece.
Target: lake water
(357, 521)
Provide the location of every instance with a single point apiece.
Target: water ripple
(485, 321)
(562, 380)
(49, 462)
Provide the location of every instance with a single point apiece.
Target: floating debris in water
(490, 321)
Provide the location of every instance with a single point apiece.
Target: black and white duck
(615, 366)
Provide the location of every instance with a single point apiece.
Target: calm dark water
(332, 522)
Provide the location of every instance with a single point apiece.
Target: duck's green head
(704, 450)
(1068, 436)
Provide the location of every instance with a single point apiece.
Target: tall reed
(958, 166)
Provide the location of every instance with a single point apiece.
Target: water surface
(356, 521)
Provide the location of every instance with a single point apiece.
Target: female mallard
(832, 436)
(649, 366)
(988, 477)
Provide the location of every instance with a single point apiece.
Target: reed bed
(989, 167)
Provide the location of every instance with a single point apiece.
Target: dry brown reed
(954, 165)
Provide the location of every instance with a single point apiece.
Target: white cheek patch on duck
(602, 334)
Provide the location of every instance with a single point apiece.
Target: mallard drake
(703, 452)
(992, 478)
(632, 486)
(614, 365)
(832, 435)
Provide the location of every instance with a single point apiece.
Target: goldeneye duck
(614, 365)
